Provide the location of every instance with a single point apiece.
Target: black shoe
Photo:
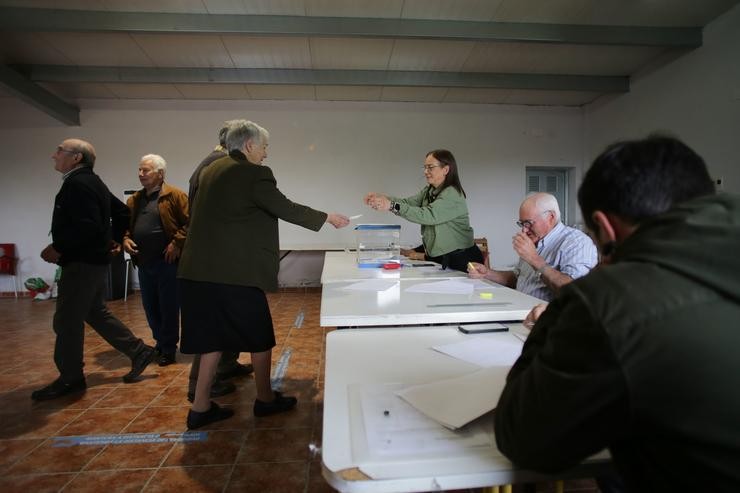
(280, 404)
(165, 359)
(215, 413)
(238, 371)
(218, 389)
(139, 364)
(57, 388)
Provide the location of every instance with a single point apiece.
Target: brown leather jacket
(173, 211)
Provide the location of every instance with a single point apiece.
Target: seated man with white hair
(551, 254)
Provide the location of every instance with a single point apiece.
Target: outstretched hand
(337, 220)
(377, 201)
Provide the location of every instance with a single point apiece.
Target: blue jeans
(158, 283)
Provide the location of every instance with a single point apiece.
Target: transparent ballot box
(378, 244)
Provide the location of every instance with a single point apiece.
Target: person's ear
(605, 231)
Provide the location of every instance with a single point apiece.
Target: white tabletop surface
(342, 307)
(342, 266)
(370, 357)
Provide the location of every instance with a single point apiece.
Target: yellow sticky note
(486, 296)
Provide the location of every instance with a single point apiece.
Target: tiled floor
(243, 453)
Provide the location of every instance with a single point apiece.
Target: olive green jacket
(445, 223)
(233, 234)
(640, 356)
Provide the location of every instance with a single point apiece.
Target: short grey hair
(225, 129)
(158, 162)
(546, 202)
(245, 131)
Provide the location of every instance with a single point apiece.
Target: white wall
(324, 154)
(695, 97)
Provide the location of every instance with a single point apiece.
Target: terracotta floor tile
(221, 447)
(189, 479)
(276, 445)
(13, 450)
(174, 395)
(284, 477)
(50, 459)
(117, 481)
(129, 396)
(130, 456)
(100, 422)
(35, 483)
(159, 419)
(37, 424)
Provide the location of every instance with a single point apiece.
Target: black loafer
(238, 371)
(218, 389)
(57, 388)
(165, 359)
(215, 413)
(280, 404)
(139, 364)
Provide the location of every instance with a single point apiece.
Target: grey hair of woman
(240, 133)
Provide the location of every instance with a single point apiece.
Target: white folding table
(371, 357)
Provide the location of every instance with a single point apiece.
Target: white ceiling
(80, 49)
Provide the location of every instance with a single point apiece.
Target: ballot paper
(373, 285)
(457, 401)
(393, 428)
(448, 286)
(485, 350)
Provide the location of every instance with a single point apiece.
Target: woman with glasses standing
(441, 210)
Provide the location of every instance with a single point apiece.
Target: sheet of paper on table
(372, 285)
(457, 401)
(393, 428)
(485, 350)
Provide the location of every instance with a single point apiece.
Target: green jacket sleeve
(268, 197)
(565, 397)
(448, 205)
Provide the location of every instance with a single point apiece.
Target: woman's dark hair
(452, 179)
(639, 179)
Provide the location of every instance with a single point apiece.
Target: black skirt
(224, 317)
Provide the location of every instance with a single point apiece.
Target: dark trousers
(79, 300)
(158, 284)
(226, 364)
(458, 260)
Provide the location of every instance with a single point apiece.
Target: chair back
(482, 244)
(8, 260)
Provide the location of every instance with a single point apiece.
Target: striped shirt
(565, 249)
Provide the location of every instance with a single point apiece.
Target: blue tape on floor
(280, 369)
(299, 320)
(127, 438)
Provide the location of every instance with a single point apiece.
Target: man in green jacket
(639, 356)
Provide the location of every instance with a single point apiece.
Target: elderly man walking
(87, 219)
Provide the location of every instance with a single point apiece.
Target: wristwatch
(395, 207)
(540, 271)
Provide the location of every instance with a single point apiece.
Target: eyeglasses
(68, 151)
(428, 167)
(528, 223)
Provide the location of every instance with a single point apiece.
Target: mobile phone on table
(482, 328)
